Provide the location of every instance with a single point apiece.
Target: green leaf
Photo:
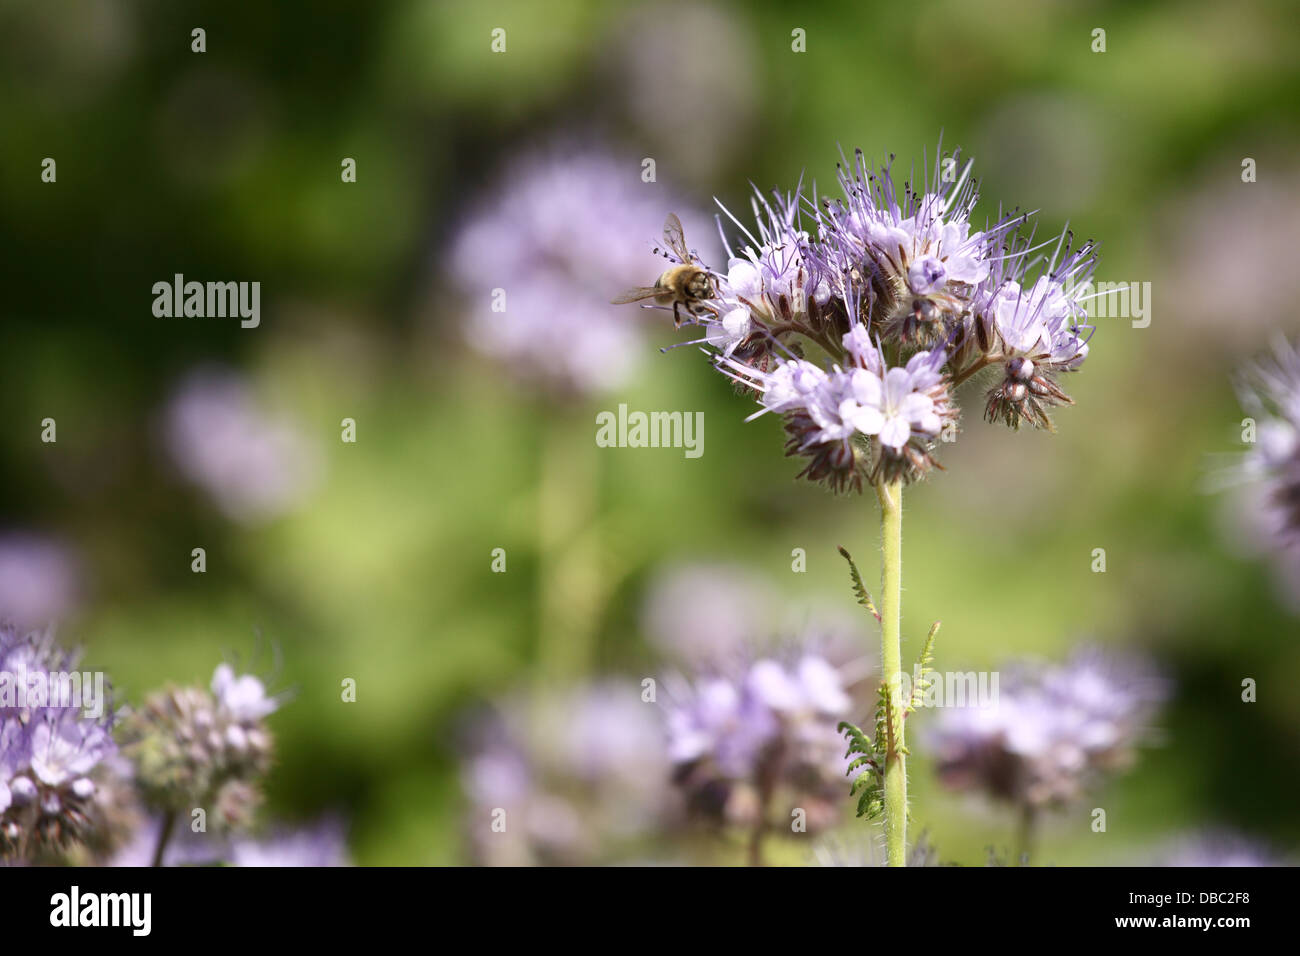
(924, 669)
(859, 589)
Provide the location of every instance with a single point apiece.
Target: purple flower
(243, 697)
(55, 746)
(760, 730)
(576, 777)
(906, 297)
(1052, 731)
(319, 844)
(829, 413)
(256, 465)
(38, 581)
(539, 255)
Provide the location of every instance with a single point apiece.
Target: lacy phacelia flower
(193, 747)
(1270, 392)
(830, 415)
(1032, 330)
(918, 261)
(751, 744)
(1051, 731)
(570, 779)
(55, 746)
(533, 260)
(907, 299)
(254, 464)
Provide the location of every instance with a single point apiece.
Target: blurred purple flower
(743, 736)
(557, 235)
(578, 777)
(705, 612)
(38, 581)
(321, 843)
(1053, 730)
(255, 464)
(54, 742)
(1214, 848)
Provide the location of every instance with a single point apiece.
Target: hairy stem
(891, 672)
(981, 363)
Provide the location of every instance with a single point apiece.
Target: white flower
(244, 697)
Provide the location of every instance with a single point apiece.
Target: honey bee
(687, 284)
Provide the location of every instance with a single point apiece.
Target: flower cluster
(906, 299)
(765, 731)
(1052, 731)
(196, 748)
(1270, 392)
(56, 748)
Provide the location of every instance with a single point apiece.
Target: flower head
(906, 298)
(56, 747)
(194, 747)
(741, 735)
(1051, 732)
(574, 777)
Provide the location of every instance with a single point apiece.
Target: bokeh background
(373, 560)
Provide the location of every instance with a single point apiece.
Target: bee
(687, 284)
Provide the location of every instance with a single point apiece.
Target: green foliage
(925, 668)
(859, 589)
(869, 783)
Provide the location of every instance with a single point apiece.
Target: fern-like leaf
(925, 670)
(860, 589)
(868, 785)
(859, 743)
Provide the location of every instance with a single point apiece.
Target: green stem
(891, 661)
(980, 363)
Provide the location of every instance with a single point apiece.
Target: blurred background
(523, 172)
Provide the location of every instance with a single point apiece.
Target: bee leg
(677, 319)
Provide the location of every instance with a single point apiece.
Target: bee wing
(636, 295)
(676, 239)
